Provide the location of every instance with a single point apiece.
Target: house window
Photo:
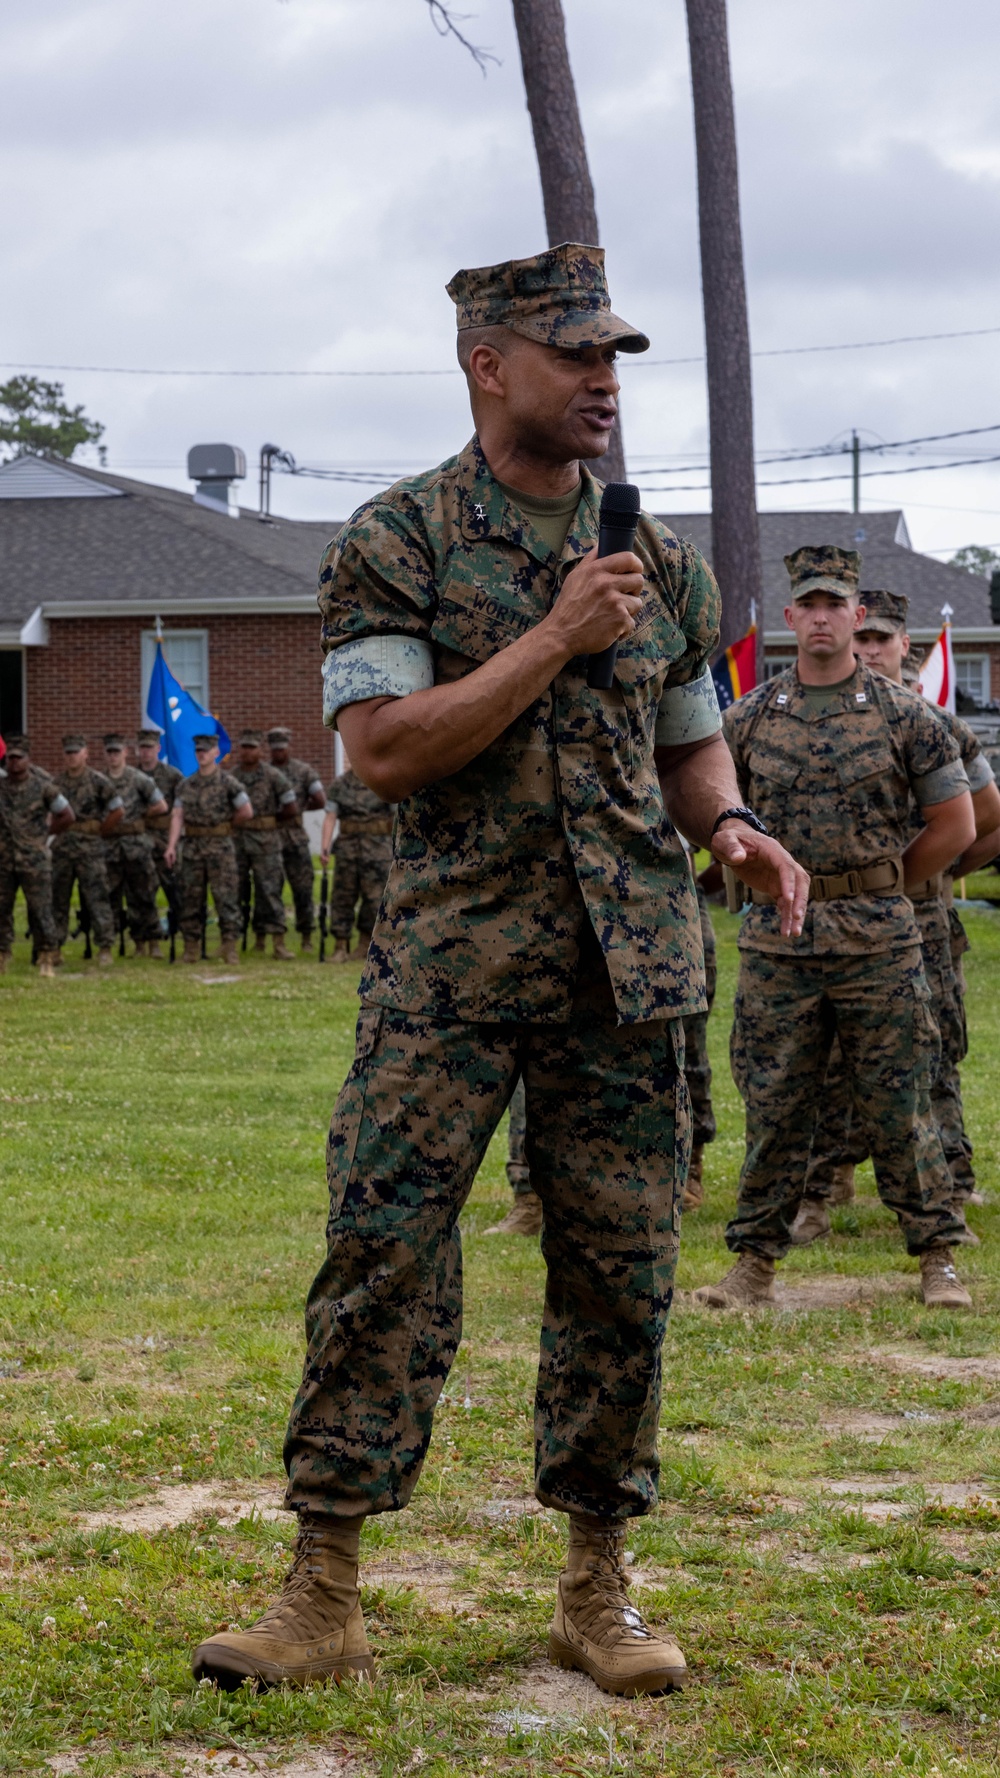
(11, 691)
(186, 653)
(777, 664)
(972, 678)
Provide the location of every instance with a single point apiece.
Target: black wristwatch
(746, 815)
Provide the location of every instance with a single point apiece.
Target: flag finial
(158, 628)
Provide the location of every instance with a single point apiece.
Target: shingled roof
(151, 545)
(887, 560)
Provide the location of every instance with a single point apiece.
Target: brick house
(89, 560)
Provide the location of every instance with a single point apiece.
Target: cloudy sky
(287, 185)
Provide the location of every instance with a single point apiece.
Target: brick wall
(262, 671)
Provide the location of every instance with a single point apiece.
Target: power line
(796, 481)
(123, 370)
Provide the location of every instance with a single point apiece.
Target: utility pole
(735, 529)
(567, 188)
(855, 473)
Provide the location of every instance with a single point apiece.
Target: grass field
(827, 1545)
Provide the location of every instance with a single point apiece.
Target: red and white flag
(937, 675)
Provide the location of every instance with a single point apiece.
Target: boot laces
(309, 1603)
(605, 1609)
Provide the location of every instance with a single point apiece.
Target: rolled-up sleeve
(375, 667)
(688, 713)
(940, 785)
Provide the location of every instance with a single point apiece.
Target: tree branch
(446, 24)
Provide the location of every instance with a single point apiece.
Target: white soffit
(37, 478)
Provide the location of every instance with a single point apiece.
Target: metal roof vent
(217, 468)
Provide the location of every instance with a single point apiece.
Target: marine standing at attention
(362, 855)
(834, 758)
(32, 807)
(296, 856)
(208, 805)
(539, 920)
(258, 847)
(78, 856)
(167, 779)
(128, 852)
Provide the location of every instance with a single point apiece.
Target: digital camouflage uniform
(362, 854)
(295, 854)
(128, 855)
(78, 854)
(25, 862)
(258, 845)
(167, 779)
(836, 785)
(484, 965)
(839, 1136)
(208, 858)
(697, 1068)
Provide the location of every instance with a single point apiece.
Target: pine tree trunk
(735, 530)
(567, 188)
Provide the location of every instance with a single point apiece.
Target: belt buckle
(854, 883)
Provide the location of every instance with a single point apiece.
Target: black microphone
(620, 504)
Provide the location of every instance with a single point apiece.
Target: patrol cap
(279, 737)
(73, 743)
(114, 743)
(559, 298)
(201, 742)
(251, 737)
(823, 568)
(884, 612)
(149, 735)
(17, 746)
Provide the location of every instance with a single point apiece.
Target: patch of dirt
(502, 1510)
(436, 1582)
(184, 1504)
(835, 1290)
(184, 1759)
(217, 981)
(873, 1428)
(867, 1494)
(987, 1413)
(944, 1369)
(567, 1697)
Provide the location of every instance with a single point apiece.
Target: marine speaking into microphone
(619, 516)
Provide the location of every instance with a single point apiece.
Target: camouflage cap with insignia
(823, 568)
(251, 737)
(114, 743)
(149, 736)
(559, 298)
(885, 612)
(73, 743)
(18, 745)
(200, 742)
(279, 737)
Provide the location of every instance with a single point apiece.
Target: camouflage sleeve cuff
(240, 801)
(979, 773)
(58, 804)
(115, 803)
(941, 785)
(287, 796)
(688, 713)
(317, 784)
(375, 667)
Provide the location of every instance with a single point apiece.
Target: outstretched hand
(763, 863)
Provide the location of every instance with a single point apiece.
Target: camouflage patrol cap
(199, 742)
(147, 736)
(18, 746)
(279, 737)
(114, 743)
(559, 298)
(251, 737)
(885, 612)
(73, 743)
(823, 568)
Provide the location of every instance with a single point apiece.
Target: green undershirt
(826, 698)
(551, 519)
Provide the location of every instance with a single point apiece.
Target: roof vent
(217, 468)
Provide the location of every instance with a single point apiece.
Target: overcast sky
(289, 184)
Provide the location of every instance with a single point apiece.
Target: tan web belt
(354, 827)
(129, 827)
(877, 879)
(157, 823)
(87, 827)
(222, 831)
(937, 888)
(260, 824)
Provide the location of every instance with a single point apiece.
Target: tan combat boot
(139, 948)
(153, 949)
(105, 957)
(313, 1631)
(340, 952)
(228, 952)
(48, 962)
(192, 951)
(281, 950)
(260, 943)
(940, 1284)
(306, 943)
(523, 1218)
(747, 1285)
(811, 1223)
(693, 1195)
(597, 1629)
(842, 1189)
(5, 957)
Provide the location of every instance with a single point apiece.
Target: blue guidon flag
(735, 672)
(170, 708)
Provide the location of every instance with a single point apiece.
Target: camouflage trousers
(840, 1137)
(258, 859)
(608, 1147)
(79, 858)
(31, 872)
(788, 1012)
(297, 863)
(209, 864)
(132, 875)
(360, 869)
(697, 1067)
